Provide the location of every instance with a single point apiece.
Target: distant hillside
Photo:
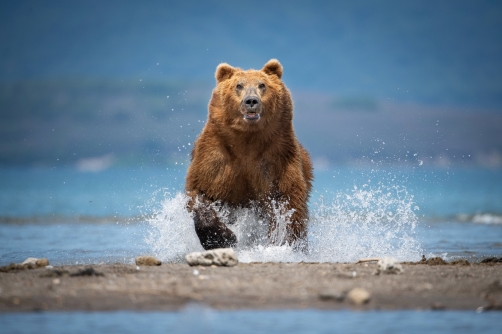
(433, 52)
(390, 133)
(66, 123)
(60, 122)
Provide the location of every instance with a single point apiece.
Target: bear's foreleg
(296, 231)
(211, 231)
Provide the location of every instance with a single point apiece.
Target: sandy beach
(422, 285)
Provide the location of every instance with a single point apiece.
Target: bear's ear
(273, 67)
(224, 72)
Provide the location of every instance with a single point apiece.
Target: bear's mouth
(251, 116)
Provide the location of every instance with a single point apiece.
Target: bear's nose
(251, 102)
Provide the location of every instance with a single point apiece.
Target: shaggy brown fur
(248, 152)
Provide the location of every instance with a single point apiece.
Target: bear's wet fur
(248, 153)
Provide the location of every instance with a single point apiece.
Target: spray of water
(365, 223)
(362, 222)
(172, 235)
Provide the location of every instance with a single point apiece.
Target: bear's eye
(261, 86)
(239, 87)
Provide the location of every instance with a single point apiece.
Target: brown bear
(248, 154)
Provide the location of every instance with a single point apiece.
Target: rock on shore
(223, 257)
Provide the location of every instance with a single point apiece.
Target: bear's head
(251, 100)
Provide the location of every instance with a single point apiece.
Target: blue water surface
(126, 192)
(76, 243)
(115, 192)
(73, 217)
(195, 319)
(91, 243)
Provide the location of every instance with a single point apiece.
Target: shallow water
(196, 319)
(84, 243)
(114, 215)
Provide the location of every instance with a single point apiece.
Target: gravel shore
(422, 285)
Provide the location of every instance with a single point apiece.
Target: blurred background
(398, 102)
(93, 84)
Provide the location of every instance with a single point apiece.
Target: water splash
(172, 235)
(366, 222)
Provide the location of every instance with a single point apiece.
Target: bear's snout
(252, 103)
(251, 108)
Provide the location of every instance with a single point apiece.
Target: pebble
(332, 295)
(147, 261)
(30, 260)
(14, 266)
(492, 260)
(359, 296)
(388, 265)
(89, 271)
(29, 263)
(460, 262)
(438, 306)
(223, 257)
(435, 261)
(43, 262)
